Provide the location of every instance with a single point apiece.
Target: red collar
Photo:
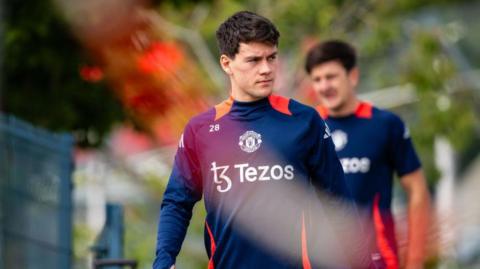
(363, 110)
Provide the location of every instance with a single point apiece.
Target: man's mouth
(329, 94)
(265, 81)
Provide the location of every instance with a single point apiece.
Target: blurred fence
(35, 197)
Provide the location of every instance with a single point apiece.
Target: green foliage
(41, 75)
(303, 18)
(445, 109)
(82, 241)
(140, 234)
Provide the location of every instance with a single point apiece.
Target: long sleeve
(326, 170)
(403, 156)
(184, 189)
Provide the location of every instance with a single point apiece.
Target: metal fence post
(109, 244)
(66, 207)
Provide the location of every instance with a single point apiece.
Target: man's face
(251, 71)
(334, 84)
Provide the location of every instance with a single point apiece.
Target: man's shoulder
(291, 107)
(299, 109)
(202, 119)
(385, 115)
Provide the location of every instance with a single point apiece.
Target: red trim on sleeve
(212, 247)
(387, 252)
(305, 259)
(280, 104)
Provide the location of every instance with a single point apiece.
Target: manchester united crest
(340, 139)
(250, 141)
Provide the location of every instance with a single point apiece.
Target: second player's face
(334, 85)
(252, 70)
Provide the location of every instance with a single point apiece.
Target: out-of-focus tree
(148, 68)
(446, 106)
(71, 66)
(48, 80)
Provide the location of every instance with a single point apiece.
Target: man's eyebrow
(273, 54)
(248, 58)
(254, 57)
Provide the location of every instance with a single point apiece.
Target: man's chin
(330, 105)
(264, 92)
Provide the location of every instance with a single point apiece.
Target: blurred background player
(372, 144)
(234, 156)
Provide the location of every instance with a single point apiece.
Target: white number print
(214, 128)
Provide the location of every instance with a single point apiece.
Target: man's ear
(354, 76)
(225, 62)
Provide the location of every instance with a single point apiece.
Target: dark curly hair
(331, 50)
(244, 27)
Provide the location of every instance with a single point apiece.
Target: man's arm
(418, 217)
(326, 170)
(175, 215)
(408, 168)
(184, 189)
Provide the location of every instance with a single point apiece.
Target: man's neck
(240, 96)
(347, 109)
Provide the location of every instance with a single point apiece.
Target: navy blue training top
(237, 155)
(372, 144)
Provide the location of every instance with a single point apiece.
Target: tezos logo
(340, 139)
(250, 141)
(222, 176)
(355, 165)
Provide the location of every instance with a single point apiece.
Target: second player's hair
(331, 50)
(244, 27)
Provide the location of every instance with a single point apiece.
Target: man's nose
(265, 67)
(323, 85)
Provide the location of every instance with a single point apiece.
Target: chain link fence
(35, 197)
